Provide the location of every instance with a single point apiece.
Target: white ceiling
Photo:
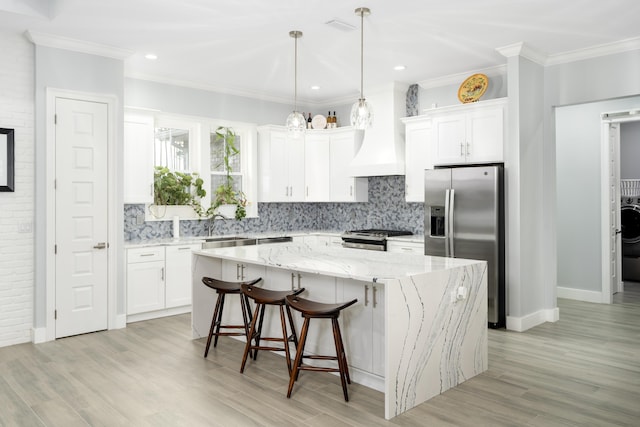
(243, 46)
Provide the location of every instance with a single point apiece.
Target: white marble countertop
(354, 264)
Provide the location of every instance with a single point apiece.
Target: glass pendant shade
(361, 114)
(296, 124)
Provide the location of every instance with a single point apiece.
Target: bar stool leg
(299, 350)
(252, 330)
(340, 357)
(285, 341)
(343, 353)
(219, 320)
(293, 329)
(261, 308)
(213, 324)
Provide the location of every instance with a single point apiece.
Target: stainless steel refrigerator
(464, 218)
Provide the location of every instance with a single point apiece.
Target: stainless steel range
(371, 239)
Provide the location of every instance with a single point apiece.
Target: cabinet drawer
(145, 254)
(406, 247)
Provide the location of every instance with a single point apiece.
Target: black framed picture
(7, 147)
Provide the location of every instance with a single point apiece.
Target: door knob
(100, 245)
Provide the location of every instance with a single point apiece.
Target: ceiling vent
(339, 25)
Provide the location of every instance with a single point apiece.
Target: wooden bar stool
(262, 298)
(316, 310)
(224, 288)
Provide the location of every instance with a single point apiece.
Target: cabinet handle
(292, 278)
(162, 274)
(242, 266)
(351, 190)
(147, 254)
(237, 271)
(151, 189)
(366, 295)
(461, 149)
(373, 291)
(307, 191)
(299, 277)
(468, 150)
(184, 249)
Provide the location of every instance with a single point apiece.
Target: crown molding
(524, 50)
(454, 79)
(60, 42)
(620, 46)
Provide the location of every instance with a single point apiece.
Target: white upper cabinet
(470, 133)
(280, 166)
(418, 156)
(317, 148)
(314, 168)
(138, 158)
(346, 188)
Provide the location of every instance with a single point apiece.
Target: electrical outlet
(140, 219)
(25, 227)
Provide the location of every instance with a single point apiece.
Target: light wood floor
(581, 371)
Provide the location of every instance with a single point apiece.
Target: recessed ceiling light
(314, 87)
(151, 56)
(399, 67)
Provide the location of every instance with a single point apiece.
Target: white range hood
(382, 149)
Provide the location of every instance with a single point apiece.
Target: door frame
(112, 219)
(608, 119)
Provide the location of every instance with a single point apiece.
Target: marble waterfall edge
(438, 342)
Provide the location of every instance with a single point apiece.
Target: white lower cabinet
(363, 324)
(158, 278)
(405, 247)
(233, 271)
(145, 279)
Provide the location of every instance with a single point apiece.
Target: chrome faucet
(211, 222)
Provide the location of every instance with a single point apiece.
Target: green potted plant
(172, 188)
(226, 200)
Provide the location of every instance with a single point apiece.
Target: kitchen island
(418, 329)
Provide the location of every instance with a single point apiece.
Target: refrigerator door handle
(446, 222)
(449, 221)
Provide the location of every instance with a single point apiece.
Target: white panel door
(178, 275)
(485, 132)
(138, 159)
(418, 157)
(81, 263)
(343, 150)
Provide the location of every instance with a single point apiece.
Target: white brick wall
(17, 208)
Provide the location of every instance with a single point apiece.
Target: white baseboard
(579, 294)
(521, 324)
(38, 335)
(158, 313)
(121, 321)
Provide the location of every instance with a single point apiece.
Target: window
(217, 167)
(171, 148)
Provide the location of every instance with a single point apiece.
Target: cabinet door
(316, 168)
(377, 329)
(449, 138)
(178, 275)
(418, 157)
(145, 286)
(278, 176)
(356, 324)
(138, 159)
(344, 187)
(295, 164)
(485, 133)
(322, 289)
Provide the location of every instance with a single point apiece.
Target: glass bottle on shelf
(309, 122)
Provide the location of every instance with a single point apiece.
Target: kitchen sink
(225, 242)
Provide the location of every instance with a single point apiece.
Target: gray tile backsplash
(386, 208)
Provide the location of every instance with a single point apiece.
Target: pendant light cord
(295, 75)
(361, 54)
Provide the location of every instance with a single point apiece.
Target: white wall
(17, 208)
(63, 69)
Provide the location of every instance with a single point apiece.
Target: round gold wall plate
(473, 88)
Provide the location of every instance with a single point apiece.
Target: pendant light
(296, 123)
(361, 112)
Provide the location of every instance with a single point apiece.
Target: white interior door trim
(112, 104)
